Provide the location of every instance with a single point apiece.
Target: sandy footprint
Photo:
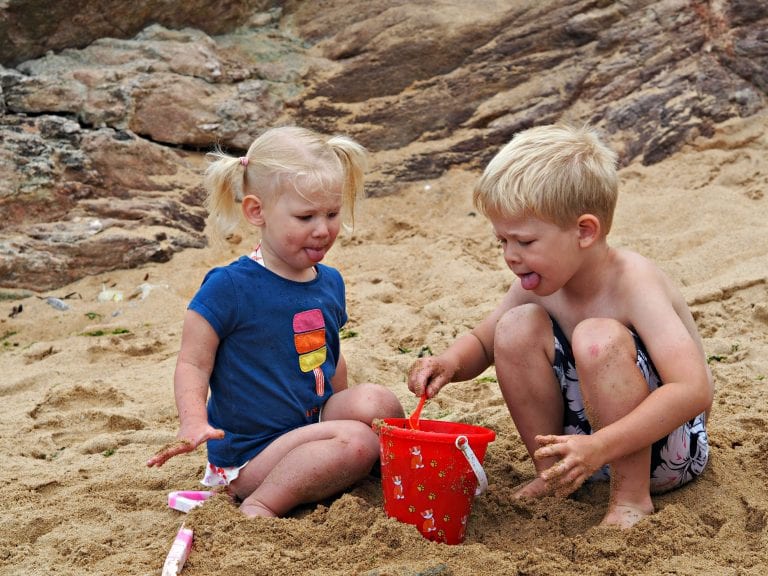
(76, 414)
(127, 344)
(77, 398)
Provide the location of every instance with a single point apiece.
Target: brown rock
(30, 28)
(111, 129)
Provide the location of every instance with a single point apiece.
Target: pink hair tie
(244, 160)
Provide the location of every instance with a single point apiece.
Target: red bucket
(431, 475)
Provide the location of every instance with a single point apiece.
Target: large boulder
(30, 28)
(103, 132)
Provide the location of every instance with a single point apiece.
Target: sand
(87, 397)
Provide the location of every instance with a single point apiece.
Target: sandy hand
(428, 375)
(169, 451)
(181, 447)
(575, 461)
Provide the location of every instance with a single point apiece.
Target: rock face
(105, 116)
(30, 28)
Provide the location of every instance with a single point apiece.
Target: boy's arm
(464, 359)
(687, 390)
(660, 316)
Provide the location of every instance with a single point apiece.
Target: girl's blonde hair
(280, 157)
(555, 173)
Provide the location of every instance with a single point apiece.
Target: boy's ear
(589, 229)
(253, 210)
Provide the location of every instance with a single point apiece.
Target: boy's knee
(522, 326)
(596, 339)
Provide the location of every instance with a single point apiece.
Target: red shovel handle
(413, 419)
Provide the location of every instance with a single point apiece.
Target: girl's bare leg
(306, 465)
(523, 354)
(319, 460)
(612, 386)
(363, 402)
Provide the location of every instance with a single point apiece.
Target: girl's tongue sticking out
(315, 254)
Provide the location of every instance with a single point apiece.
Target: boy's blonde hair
(554, 173)
(285, 156)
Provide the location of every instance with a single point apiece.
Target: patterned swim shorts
(675, 460)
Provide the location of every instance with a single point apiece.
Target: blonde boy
(597, 355)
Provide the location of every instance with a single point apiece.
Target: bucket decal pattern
(426, 480)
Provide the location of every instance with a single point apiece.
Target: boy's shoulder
(634, 261)
(637, 276)
(627, 257)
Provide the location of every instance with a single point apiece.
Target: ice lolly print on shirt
(309, 339)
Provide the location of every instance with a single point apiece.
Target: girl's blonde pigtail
(353, 158)
(224, 179)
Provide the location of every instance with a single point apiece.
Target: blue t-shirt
(278, 350)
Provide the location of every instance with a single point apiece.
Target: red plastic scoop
(413, 419)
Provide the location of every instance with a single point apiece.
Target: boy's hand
(579, 457)
(428, 375)
(182, 445)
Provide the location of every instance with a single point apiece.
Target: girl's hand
(184, 443)
(579, 457)
(428, 375)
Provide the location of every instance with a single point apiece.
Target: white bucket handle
(482, 480)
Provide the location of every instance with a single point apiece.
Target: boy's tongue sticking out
(530, 281)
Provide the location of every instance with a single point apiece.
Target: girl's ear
(589, 229)
(253, 210)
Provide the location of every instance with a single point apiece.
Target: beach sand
(87, 398)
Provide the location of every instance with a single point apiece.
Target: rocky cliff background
(107, 108)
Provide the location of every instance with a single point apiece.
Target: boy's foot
(536, 488)
(625, 515)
